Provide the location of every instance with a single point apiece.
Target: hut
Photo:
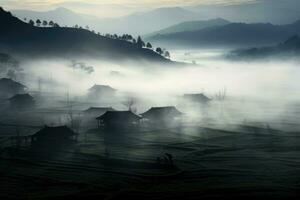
(54, 135)
(9, 88)
(196, 98)
(162, 115)
(119, 120)
(96, 111)
(90, 114)
(22, 101)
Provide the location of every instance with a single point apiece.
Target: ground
(237, 161)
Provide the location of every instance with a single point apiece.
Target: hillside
(231, 35)
(21, 38)
(191, 26)
(288, 49)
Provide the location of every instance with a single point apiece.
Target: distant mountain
(137, 24)
(157, 19)
(258, 11)
(60, 15)
(17, 37)
(289, 48)
(231, 35)
(191, 26)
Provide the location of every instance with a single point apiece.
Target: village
(102, 142)
(34, 119)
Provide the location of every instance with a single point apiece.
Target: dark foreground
(236, 162)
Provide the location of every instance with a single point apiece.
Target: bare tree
(221, 94)
(75, 119)
(129, 103)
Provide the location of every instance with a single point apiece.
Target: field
(235, 160)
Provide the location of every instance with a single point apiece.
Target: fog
(262, 80)
(258, 91)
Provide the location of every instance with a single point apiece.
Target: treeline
(43, 23)
(126, 37)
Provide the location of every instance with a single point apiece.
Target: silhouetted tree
(167, 54)
(159, 50)
(38, 22)
(149, 46)
(140, 43)
(25, 19)
(55, 25)
(31, 22)
(51, 23)
(45, 23)
(76, 26)
(126, 37)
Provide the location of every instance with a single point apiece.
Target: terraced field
(237, 161)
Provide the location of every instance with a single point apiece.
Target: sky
(108, 7)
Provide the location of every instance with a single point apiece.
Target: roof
(22, 97)
(119, 115)
(170, 111)
(102, 87)
(197, 97)
(9, 83)
(55, 132)
(98, 109)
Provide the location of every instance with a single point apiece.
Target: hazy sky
(115, 7)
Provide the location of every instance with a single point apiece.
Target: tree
(149, 46)
(45, 23)
(55, 25)
(51, 23)
(31, 22)
(25, 19)
(129, 104)
(159, 50)
(38, 22)
(76, 26)
(167, 54)
(140, 43)
(130, 37)
(221, 94)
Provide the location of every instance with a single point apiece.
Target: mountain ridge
(287, 49)
(230, 35)
(24, 39)
(190, 26)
